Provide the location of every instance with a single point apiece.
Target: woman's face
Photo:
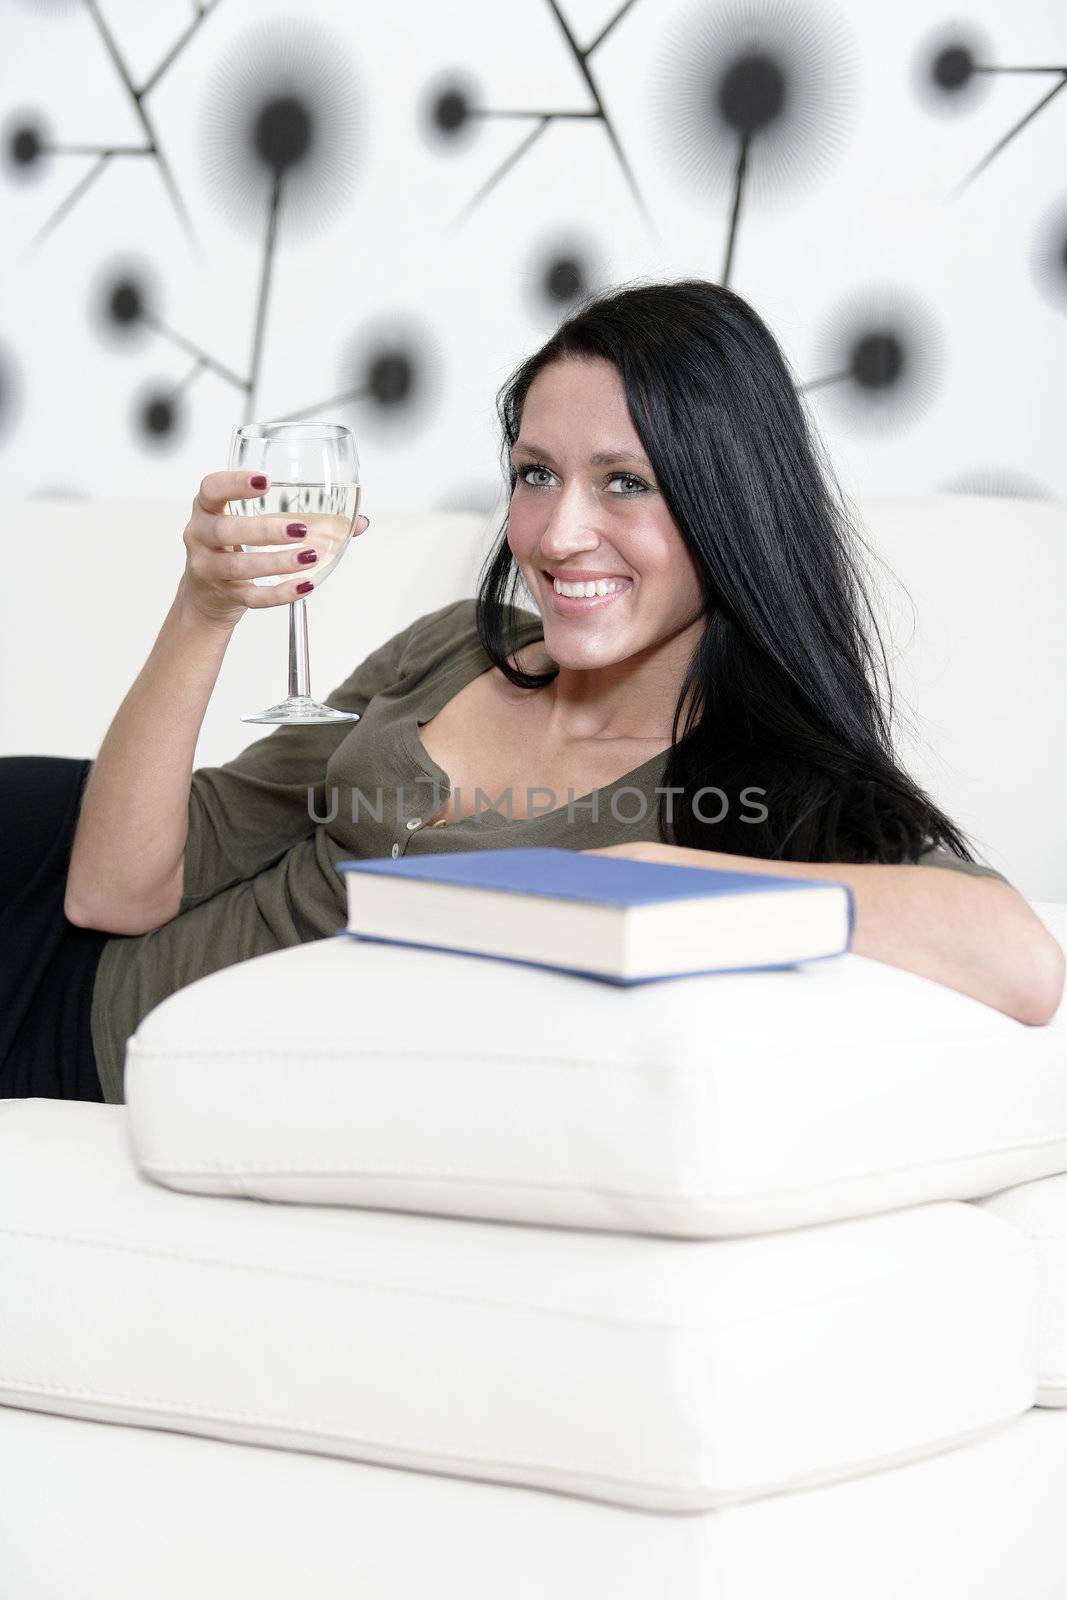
(583, 518)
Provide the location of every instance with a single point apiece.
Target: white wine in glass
(312, 470)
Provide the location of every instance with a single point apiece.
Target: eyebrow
(602, 458)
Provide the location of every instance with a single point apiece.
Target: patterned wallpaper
(233, 209)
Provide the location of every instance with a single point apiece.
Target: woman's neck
(631, 701)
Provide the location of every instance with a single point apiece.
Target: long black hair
(785, 717)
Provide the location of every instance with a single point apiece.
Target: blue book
(607, 917)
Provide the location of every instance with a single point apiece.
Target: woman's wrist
(190, 619)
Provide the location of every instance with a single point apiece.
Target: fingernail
(308, 555)
(302, 588)
(259, 481)
(296, 530)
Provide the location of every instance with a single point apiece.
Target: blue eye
(641, 484)
(539, 466)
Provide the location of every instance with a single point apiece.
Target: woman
(712, 666)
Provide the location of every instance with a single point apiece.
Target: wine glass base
(301, 708)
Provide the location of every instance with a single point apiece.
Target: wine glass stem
(299, 672)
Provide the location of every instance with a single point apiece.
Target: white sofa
(743, 1286)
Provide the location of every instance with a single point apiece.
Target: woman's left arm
(974, 934)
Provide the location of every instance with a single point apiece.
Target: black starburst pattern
(1049, 259)
(280, 131)
(279, 139)
(394, 370)
(29, 148)
(880, 360)
(560, 272)
(453, 106)
(159, 418)
(1000, 483)
(752, 99)
(123, 302)
(10, 391)
(953, 72)
(125, 306)
(943, 70)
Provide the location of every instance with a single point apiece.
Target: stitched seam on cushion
(296, 1275)
(1019, 1249)
(173, 1408)
(843, 1472)
(456, 1174)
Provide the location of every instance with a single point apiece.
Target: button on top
(413, 822)
(396, 851)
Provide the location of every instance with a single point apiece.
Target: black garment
(47, 965)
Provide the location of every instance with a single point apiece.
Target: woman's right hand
(217, 584)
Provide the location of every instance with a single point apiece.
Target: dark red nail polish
(296, 530)
(307, 556)
(259, 481)
(302, 588)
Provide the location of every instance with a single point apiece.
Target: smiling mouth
(567, 605)
(616, 579)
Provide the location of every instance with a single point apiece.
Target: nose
(570, 527)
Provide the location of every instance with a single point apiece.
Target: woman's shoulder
(449, 627)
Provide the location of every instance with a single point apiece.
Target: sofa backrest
(980, 666)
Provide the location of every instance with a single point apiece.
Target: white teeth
(586, 591)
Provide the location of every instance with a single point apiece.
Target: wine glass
(312, 470)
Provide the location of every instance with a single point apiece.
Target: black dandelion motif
(124, 301)
(448, 110)
(393, 371)
(753, 100)
(946, 69)
(561, 273)
(10, 392)
(453, 103)
(125, 304)
(398, 368)
(159, 418)
(1049, 259)
(880, 362)
(564, 279)
(998, 482)
(280, 130)
(954, 71)
(24, 143)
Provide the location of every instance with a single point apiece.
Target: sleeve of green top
(245, 815)
(938, 856)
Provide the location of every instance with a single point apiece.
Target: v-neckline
(465, 670)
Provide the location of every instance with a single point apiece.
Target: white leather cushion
(1040, 1211)
(219, 1521)
(666, 1374)
(343, 1072)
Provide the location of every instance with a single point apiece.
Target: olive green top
(267, 829)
